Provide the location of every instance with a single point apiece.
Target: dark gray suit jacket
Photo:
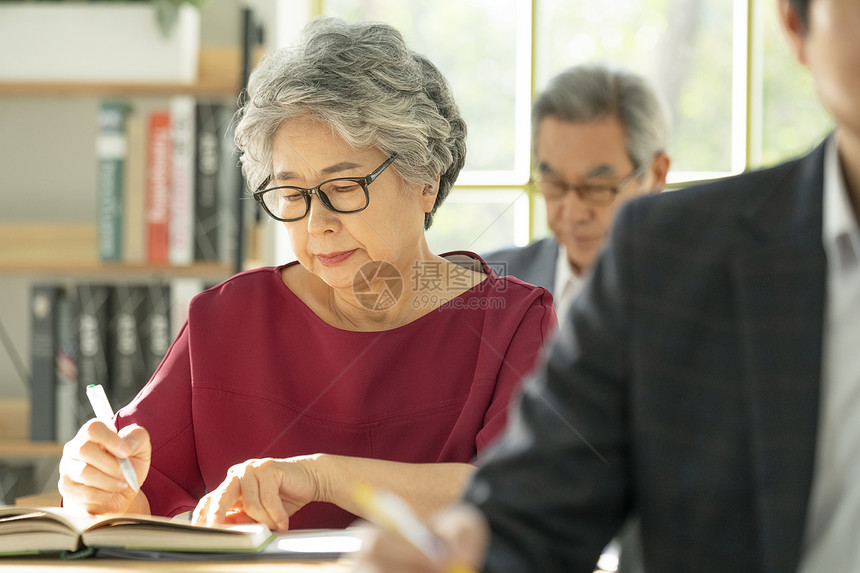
(535, 263)
(683, 386)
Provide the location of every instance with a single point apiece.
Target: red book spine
(159, 181)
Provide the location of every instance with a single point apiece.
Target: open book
(26, 530)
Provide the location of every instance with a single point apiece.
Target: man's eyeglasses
(599, 194)
(341, 195)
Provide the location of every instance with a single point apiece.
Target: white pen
(104, 413)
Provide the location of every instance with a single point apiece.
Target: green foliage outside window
(686, 47)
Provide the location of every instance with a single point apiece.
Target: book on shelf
(155, 330)
(110, 334)
(43, 303)
(29, 530)
(66, 363)
(206, 182)
(159, 182)
(54, 395)
(183, 110)
(128, 362)
(168, 182)
(229, 187)
(94, 351)
(111, 152)
(134, 191)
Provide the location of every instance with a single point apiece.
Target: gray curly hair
(365, 82)
(588, 92)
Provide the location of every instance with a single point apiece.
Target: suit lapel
(779, 275)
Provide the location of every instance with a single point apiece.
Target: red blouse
(255, 373)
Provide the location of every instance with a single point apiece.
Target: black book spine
(228, 175)
(155, 329)
(208, 160)
(93, 344)
(67, 365)
(127, 364)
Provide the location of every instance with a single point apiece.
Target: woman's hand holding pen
(267, 491)
(90, 473)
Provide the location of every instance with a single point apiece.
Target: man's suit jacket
(683, 386)
(535, 263)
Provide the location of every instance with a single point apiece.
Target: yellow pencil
(390, 511)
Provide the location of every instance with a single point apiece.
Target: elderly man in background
(599, 136)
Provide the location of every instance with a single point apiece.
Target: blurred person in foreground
(707, 378)
(370, 359)
(600, 136)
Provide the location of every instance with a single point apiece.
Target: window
(790, 118)
(482, 47)
(736, 97)
(480, 220)
(685, 47)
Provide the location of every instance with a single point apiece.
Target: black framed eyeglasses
(598, 194)
(341, 195)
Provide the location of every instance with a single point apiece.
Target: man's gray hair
(364, 81)
(590, 92)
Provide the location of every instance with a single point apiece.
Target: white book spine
(181, 229)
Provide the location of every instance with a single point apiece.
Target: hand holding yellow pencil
(391, 512)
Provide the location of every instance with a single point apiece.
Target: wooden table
(55, 565)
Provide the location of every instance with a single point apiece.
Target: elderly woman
(370, 359)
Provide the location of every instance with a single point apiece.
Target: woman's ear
(428, 195)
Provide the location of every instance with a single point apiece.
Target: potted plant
(167, 12)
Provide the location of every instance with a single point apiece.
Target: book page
(55, 528)
(302, 545)
(54, 519)
(31, 530)
(167, 535)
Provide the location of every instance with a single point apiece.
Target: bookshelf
(31, 248)
(17, 450)
(51, 250)
(219, 74)
(14, 441)
(26, 449)
(64, 249)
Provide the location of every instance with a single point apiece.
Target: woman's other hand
(266, 491)
(90, 474)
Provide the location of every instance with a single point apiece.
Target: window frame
(746, 120)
